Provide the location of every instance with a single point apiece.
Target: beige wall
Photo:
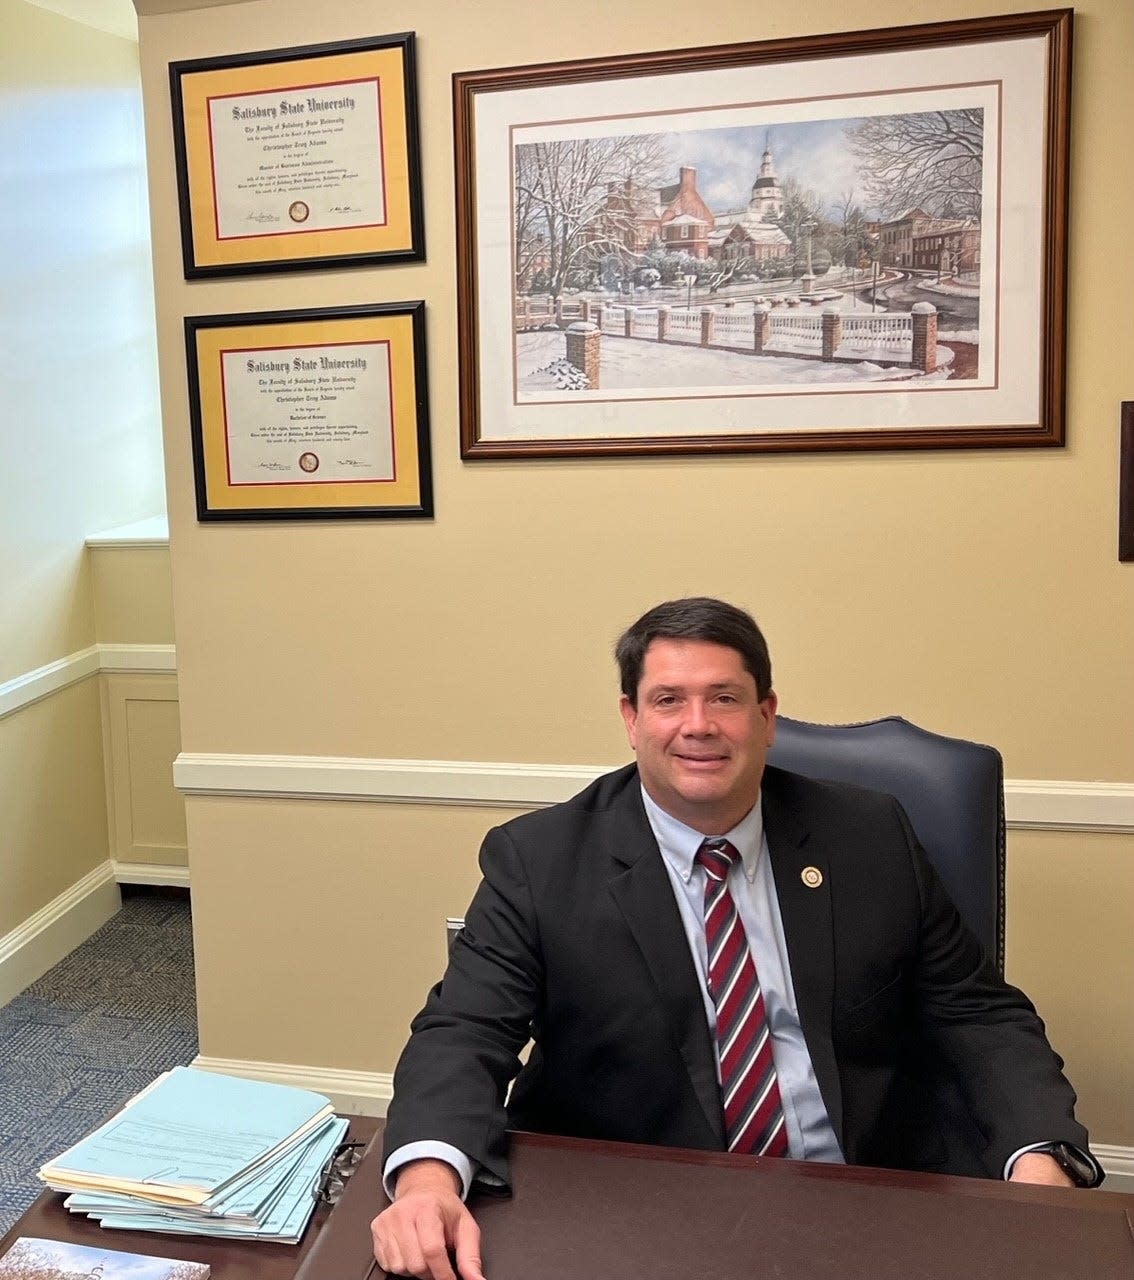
(1070, 900)
(141, 739)
(79, 426)
(79, 437)
(53, 800)
(977, 593)
(133, 595)
(141, 728)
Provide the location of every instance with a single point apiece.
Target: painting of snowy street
(816, 255)
(850, 241)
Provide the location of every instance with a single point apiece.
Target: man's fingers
(386, 1249)
(467, 1244)
(391, 1260)
(432, 1241)
(412, 1245)
(413, 1236)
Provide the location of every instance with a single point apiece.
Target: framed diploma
(318, 414)
(292, 159)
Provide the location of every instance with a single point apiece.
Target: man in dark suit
(623, 932)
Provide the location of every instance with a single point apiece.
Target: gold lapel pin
(812, 877)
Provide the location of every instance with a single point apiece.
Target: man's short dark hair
(695, 618)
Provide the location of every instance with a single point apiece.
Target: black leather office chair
(952, 791)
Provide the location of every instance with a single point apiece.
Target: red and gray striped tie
(753, 1114)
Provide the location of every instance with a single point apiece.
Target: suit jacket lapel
(642, 889)
(808, 931)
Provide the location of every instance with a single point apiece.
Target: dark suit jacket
(574, 938)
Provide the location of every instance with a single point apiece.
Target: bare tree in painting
(931, 159)
(577, 199)
(850, 237)
(801, 205)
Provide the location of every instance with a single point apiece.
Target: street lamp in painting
(809, 277)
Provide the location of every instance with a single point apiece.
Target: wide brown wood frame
(1053, 25)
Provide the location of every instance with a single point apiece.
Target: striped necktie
(753, 1114)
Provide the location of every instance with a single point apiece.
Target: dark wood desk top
(604, 1209)
(599, 1210)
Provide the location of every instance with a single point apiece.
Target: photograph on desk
(204, 1154)
(32, 1259)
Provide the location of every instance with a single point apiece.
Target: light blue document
(282, 1214)
(256, 1197)
(247, 1199)
(188, 1136)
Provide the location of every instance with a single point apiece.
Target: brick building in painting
(896, 237)
(951, 249)
(686, 219)
(919, 240)
(680, 220)
(676, 216)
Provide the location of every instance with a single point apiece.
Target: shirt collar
(679, 843)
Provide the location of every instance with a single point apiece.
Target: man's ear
(769, 705)
(629, 719)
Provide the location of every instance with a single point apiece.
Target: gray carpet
(91, 1033)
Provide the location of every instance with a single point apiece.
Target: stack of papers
(204, 1154)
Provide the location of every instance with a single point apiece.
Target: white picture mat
(1007, 77)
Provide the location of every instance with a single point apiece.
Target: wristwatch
(1074, 1164)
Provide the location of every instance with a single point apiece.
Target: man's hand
(1039, 1168)
(413, 1236)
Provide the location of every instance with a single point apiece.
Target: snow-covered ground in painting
(629, 364)
(949, 288)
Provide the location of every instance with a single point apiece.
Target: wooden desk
(600, 1210)
(229, 1260)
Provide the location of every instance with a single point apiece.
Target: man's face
(700, 732)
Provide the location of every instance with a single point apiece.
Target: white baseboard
(1118, 1162)
(444, 782)
(155, 873)
(1054, 805)
(22, 691)
(56, 930)
(1029, 805)
(364, 1093)
(136, 657)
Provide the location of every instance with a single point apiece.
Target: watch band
(1079, 1168)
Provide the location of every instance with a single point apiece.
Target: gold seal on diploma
(812, 877)
(298, 211)
(309, 462)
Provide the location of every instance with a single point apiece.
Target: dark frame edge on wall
(1126, 484)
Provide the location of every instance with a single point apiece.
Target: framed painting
(319, 414)
(851, 241)
(299, 158)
